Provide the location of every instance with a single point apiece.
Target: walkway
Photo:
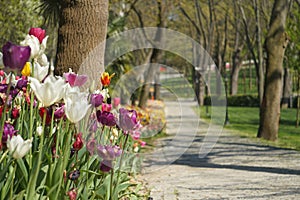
(236, 168)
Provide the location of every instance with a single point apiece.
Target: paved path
(236, 168)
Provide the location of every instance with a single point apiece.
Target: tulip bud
(78, 144)
(72, 194)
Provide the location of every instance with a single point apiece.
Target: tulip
(18, 147)
(15, 113)
(59, 112)
(96, 99)
(43, 60)
(91, 145)
(78, 144)
(106, 107)
(108, 154)
(105, 78)
(72, 194)
(49, 92)
(39, 71)
(39, 130)
(37, 48)
(76, 106)
(38, 33)
(75, 79)
(128, 120)
(116, 101)
(8, 132)
(48, 112)
(26, 69)
(22, 83)
(15, 57)
(106, 118)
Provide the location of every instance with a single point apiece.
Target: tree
(16, 18)
(82, 28)
(293, 51)
(275, 43)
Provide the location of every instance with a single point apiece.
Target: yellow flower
(26, 69)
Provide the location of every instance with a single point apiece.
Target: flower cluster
(53, 130)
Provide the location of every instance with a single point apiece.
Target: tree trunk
(236, 57)
(259, 50)
(298, 99)
(276, 42)
(287, 89)
(82, 28)
(157, 85)
(154, 58)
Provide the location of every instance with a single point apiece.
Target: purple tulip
(106, 118)
(96, 99)
(8, 131)
(108, 154)
(91, 145)
(128, 120)
(22, 83)
(3, 88)
(59, 112)
(106, 165)
(14, 56)
(13, 92)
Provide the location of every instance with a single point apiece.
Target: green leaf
(23, 169)
(9, 182)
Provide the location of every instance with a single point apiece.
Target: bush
(236, 100)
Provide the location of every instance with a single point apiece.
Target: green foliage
(293, 48)
(50, 10)
(16, 18)
(236, 100)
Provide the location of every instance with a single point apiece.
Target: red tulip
(39, 33)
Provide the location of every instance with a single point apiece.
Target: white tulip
(37, 49)
(40, 72)
(76, 105)
(43, 60)
(18, 147)
(50, 91)
(39, 130)
(34, 44)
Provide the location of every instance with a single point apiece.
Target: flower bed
(58, 141)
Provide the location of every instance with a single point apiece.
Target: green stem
(5, 107)
(121, 159)
(12, 184)
(111, 184)
(31, 121)
(35, 171)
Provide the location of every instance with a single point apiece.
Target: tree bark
(82, 28)
(287, 89)
(259, 46)
(154, 58)
(276, 42)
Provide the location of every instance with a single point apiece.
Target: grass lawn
(245, 122)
